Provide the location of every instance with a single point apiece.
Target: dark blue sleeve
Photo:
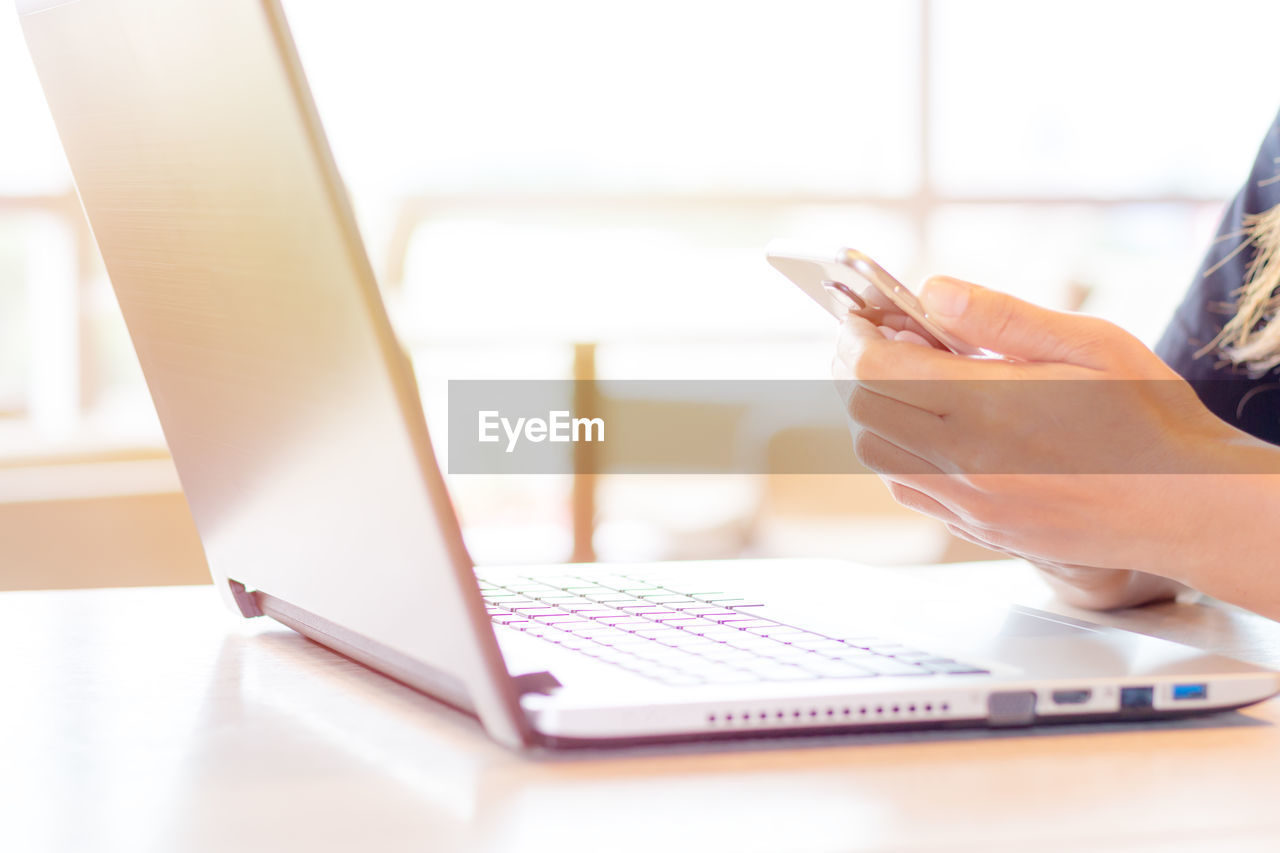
(1251, 404)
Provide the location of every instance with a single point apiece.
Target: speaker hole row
(834, 714)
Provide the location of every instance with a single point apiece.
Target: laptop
(293, 420)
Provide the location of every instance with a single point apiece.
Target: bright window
(570, 171)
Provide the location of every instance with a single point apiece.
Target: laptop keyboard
(682, 637)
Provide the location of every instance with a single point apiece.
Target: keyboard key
(684, 639)
(836, 669)
(728, 601)
(612, 580)
(681, 679)
(889, 666)
(675, 639)
(764, 645)
(849, 655)
(890, 649)
(791, 654)
(607, 597)
(825, 645)
(731, 676)
(631, 641)
(610, 655)
(862, 642)
(771, 671)
(529, 587)
(607, 637)
(654, 613)
(669, 656)
(588, 627)
(912, 655)
(717, 632)
(653, 628)
(774, 629)
(562, 620)
(952, 667)
(668, 598)
(725, 653)
(795, 635)
(623, 621)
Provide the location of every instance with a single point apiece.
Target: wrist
(1227, 516)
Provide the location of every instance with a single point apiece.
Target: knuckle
(1092, 333)
(1000, 316)
(902, 495)
(968, 459)
(866, 448)
(867, 360)
(991, 512)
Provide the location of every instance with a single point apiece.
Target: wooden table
(150, 719)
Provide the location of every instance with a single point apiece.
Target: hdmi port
(1071, 697)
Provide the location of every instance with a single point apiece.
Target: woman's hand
(1082, 451)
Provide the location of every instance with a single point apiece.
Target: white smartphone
(850, 282)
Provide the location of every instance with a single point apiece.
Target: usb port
(1072, 697)
(1136, 698)
(1190, 691)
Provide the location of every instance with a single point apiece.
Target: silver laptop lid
(290, 412)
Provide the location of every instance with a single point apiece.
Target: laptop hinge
(536, 682)
(244, 599)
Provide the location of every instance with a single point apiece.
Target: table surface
(151, 719)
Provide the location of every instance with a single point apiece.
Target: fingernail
(945, 297)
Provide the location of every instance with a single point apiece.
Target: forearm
(1226, 545)
(1239, 563)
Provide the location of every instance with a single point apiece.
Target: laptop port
(1190, 691)
(1072, 697)
(1136, 698)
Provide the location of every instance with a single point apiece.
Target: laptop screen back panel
(289, 409)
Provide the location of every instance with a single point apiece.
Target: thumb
(1006, 325)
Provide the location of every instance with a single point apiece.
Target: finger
(918, 375)
(920, 502)
(959, 531)
(907, 336)
(892, 318)
(887, 459)
(1002, 323)
(916, 431)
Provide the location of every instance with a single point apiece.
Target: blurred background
(576, 188)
